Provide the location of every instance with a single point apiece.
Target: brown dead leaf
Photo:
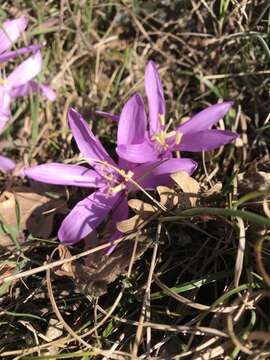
(188, 185)
(36, 212)
(96, 271)
(130, 224)
(99, 270)
(67, 269)
(216, 188)
(168, 197)
(141, 207)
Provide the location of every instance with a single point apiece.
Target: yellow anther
(161, 138)
(161, 119)
(129, 175)
(118, 188)
(178, 138)
(3, 81)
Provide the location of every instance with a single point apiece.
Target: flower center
(117, 180)
(162, 136)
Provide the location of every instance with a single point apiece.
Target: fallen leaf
(168, 197)
(141, 207)
(97, 270)
(188, 185)
(216, 188)
(131, 224)
(29, 210)
(67, 269)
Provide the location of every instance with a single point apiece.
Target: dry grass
(200, 290)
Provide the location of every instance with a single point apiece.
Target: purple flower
(9, 33)
(6, 165)
(156, 142)
(20, 83)
(112, 181)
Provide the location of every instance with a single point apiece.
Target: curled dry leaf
(67, 269)
(168, 197)
(141, 207)
(36, 212)
(188, 185)
(98, 270)
(131, 224)
(215, 189)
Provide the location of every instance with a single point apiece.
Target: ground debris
(24, 209)
(97, 270)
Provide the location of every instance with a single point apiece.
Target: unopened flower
(112, 181)
(156, 142)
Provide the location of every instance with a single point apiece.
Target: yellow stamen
(178, 138)
(161, 119)
(118, 188)
(3, 81)
(161, 138)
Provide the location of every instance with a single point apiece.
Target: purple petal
(205, 118)
(13, 54)
(89, 146)
(33, 86)
(205, 140)
(6, 164)
(119, 213)
(137, 153)
(108, 115)
(86, 216)
(132, 123)
(64, 174)
(26, 71)
(10, 32)
(5, 101)
(154, 174)
(155, 96)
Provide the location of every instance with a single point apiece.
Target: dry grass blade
(240, 252)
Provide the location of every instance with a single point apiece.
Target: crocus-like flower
(20, 83)
(9, 33)
(6, 165)
(112, 181)
(157, 143)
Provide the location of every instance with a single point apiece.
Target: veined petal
(26, 71)
(86, 216)
(6, 164)
(65, 174)
(205, 118)
(132, 123)
(89, 146)
(10, 32)
(153, 174)
(13, 54)
(137, 153)
(108, 115)
(155, 96)
(205, 140)
(120, 213)
(33, 86)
